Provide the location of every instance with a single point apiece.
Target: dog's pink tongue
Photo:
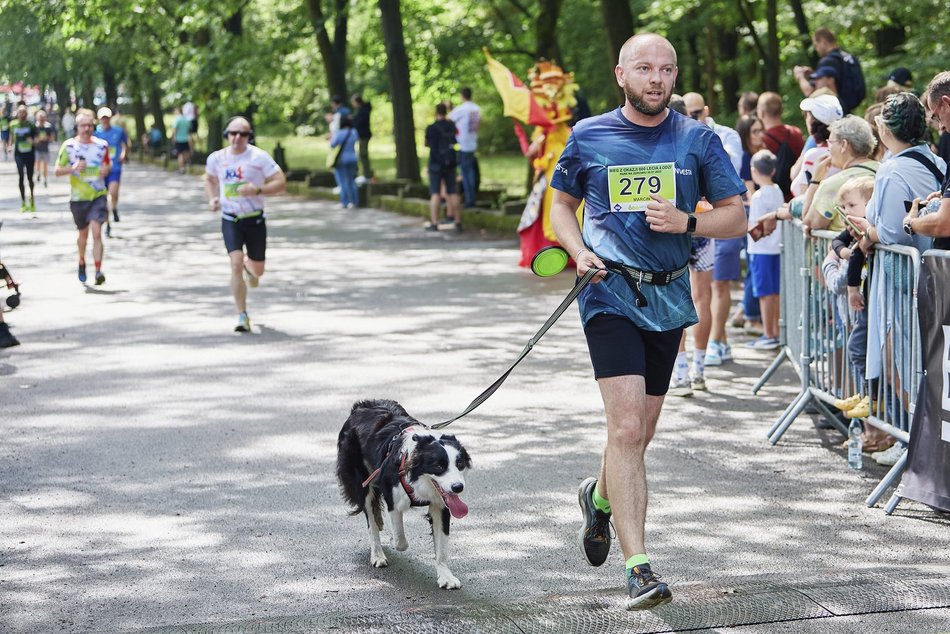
(457, 507)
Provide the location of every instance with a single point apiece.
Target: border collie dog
(386, 455)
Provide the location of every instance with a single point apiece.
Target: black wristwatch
(907, 228)
(691, 223)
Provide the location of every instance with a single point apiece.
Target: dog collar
(389, 450)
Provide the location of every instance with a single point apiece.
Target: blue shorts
(619, 348)
(727, 266)
(766, 273)
(701, 254)
(115, 175)
(249, 232)
(441, 174)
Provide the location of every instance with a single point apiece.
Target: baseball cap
(104, 112)
(825, 71)
(825, 108)
(902, 77)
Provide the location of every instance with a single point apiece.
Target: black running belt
(481, 398)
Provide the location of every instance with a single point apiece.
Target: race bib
(91, 172)
(631, 185)
(24, 146)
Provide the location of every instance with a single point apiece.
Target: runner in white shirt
(237, 178)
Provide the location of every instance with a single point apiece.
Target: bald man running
(237, 178)
(640, 169)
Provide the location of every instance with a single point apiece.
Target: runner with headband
(637, 168)
(237, 178)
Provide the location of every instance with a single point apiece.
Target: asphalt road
(158, 469)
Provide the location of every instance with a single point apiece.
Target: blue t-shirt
(702, 169)
(116, 138)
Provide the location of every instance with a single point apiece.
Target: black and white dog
(384, 454)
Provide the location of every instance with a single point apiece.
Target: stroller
(7, 340)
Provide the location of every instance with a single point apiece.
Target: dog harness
(413, 501)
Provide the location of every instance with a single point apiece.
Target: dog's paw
(378, 560)
(448, 581)
(402, 544)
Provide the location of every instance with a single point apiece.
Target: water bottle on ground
(854, 444)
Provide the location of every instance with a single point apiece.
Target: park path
(158, 469)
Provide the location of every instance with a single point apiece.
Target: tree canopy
(280, 61)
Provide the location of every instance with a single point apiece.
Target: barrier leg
(785, 414)
(798, 409)
(892, 503)
(781, 356)
(888, 481)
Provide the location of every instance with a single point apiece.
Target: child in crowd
(852, 200)
(764, 251)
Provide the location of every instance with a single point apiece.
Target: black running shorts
(246, 232)
(619, 348)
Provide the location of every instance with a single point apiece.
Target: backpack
(784, 160)
(446, 133)
(851, 87)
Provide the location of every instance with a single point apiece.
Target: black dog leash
(481, 398)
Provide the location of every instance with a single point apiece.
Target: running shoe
(645, 590)
(244, 323)
(7, 340)
(115, 215)
(432, 227)
(82, 273)
(32, 206)
(252, 280)
(861, 410)
(713, 354)
(108, 230)
(681, 387)
(100, 278)
(890, 456)
(594, 534)
(765, 343)
(847, 404)
(458, 227)
(725, 352)
(24, 207)
(698, 383)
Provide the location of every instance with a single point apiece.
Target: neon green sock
(636, 560)
(600, 503)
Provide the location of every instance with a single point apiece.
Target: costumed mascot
(547, 105)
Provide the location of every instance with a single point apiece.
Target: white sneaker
(725, 352)
(713, 354)
(889, 457)
(698, 383)
(681, 387)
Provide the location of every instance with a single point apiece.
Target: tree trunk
(888, 39)
(729, 49)
(772, 61)
(804, 36)
(546, 30)
(332, 52)
(619, 26)
(709, 93)
(62, 96)
(397, 66)
(155, 103)
(111, 88)
(88, 94)
(138, 109)
(692, 81)
(215, 123)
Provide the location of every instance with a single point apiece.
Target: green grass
(499, 170)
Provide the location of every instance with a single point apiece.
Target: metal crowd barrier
(815, 337)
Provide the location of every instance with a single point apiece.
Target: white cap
(104, 112)
(825, 108)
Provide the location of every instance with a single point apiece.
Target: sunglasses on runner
(239, 133)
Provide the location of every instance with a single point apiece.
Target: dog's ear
(423, 440)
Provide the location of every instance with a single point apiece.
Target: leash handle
(567, 301)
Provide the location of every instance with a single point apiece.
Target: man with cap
(836, 70)
(118, 142)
